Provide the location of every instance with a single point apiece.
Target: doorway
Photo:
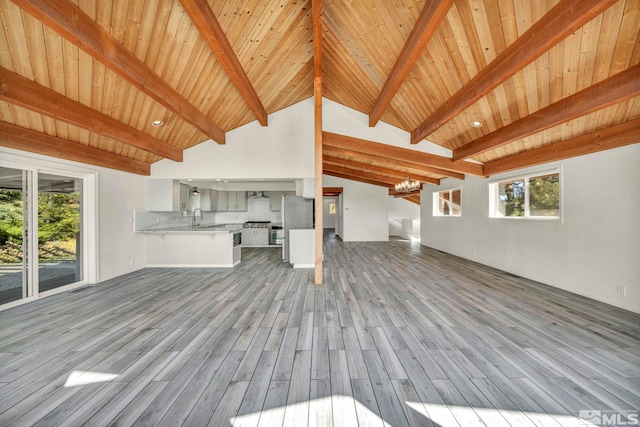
(332, 210)
(41, 233)
(329, 209)
(15, 205)
(59, 231)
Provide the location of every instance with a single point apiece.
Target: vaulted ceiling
(547, 79)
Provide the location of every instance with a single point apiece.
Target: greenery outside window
(447, 203)
(531, 196)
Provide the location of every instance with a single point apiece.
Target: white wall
(337, 118)
(400, 209)
(594, 249)
(365, 210)
(120, 251)
(282, 150)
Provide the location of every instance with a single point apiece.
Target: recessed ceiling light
(189, 179)
(476, 124)
(157, 123)
(218, 179)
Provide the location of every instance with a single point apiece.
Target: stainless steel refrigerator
(297, 212)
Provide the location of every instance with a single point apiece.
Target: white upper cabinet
(237, 201)
(185, 198)
(223, 201)
(275, 200)
(232, 201)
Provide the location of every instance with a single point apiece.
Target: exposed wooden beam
(403, 195)
(604, 139)
(369, 158)
(23, 139)
(556, 25)
(399, 174)
(398, 153)
(611, 91)
(428, 22)
(415, 199)
(383, 179)
(28, 94)
(358, 179)
(207, 24)
(317, 22)
(331, 191)
(73, 24)
(316, 19)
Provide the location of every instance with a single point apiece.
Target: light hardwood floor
(398, 334)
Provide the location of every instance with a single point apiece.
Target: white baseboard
(122, 273)
(191, 265)
(304, 265)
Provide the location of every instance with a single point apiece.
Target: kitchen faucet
(193, 217)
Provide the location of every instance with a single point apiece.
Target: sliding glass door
(59, 231)
(47, 224)
(14, 231)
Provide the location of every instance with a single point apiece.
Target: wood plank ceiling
(547, 79)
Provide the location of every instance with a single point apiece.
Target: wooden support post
(316, 11)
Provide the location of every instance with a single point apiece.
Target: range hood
(258, 195)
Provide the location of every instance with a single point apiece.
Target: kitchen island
(200, 246)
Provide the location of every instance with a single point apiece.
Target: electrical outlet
(622, 290)
(132, 261)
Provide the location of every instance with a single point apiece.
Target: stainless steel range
(256, 224)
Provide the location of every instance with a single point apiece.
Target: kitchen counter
(186, 246)
(201, 229)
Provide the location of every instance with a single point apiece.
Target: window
(531, 196)
(447, 203)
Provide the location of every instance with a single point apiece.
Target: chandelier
(407, 185)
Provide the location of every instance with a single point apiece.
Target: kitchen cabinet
(223, 200)
(306, 188)
(275, 199)
(232, 201)
(213, 200)
(208, 200)
(185, 197)
(236, 201)
(165, 195)
(255, 236)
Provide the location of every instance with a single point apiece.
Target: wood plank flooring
(399, 335)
